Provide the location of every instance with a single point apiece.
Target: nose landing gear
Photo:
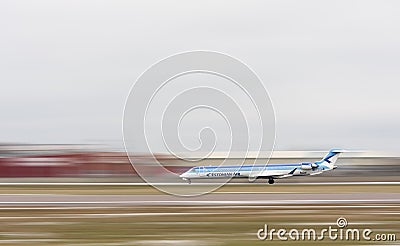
(188, 180)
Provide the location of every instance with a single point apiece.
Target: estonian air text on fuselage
(228, 174)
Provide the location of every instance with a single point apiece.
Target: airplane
(264, 171)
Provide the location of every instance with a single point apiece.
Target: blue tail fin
(330, 159)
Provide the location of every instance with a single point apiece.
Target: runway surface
(210, 199)
(186, 184)
(225, 217)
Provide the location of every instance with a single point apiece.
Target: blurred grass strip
(123, 189)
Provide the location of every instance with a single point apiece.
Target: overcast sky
(332, 68)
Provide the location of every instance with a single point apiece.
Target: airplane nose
(184, 176)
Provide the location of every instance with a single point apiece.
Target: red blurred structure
(68, 161)
(67, 165)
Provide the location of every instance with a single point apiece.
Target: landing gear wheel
(271, 181)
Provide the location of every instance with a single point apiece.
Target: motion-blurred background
(91, 163)
(331, 69)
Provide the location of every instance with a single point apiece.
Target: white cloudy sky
(332, 67)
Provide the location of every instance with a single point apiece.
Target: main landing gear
(271, 181)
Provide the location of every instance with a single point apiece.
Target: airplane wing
(315, 173)
(277, 174)
(290, 174)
